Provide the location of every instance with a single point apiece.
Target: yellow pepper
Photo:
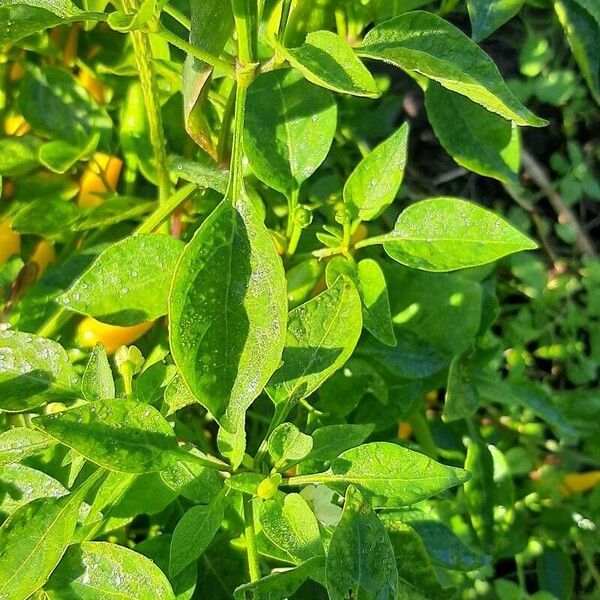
(404, 430)
(578, 483)
(90, 331)
(10, 241)
(15, 124)
(92, 85)
(43, 255)
(102, 171)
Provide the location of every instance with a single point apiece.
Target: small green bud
(268, 487)
(303, 216)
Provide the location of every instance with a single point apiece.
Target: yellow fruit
(16, 72)
(404, 430)
(10, 241)
(16, 125)
(360, 234)
(578, 483)
(43, 255)
(90, 332)
(92, 85)
(100, 176)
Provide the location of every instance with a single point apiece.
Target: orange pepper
(43, 255)
(10, 241)
(16, 72)
(359, 235)
(92, 183)
(578, 483)
(90, 331)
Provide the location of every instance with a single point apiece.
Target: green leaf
(33, 370)
(422, 43)
(48, 217)
(59, 156)
(96, 570)
(21, 484)
(330, 441)
(301, 281)
(325, 59)
(444, 234)
(227, 311)
(287, 443)
(461, 399)
(129, 282)
(475, 138)
(556, 572)
(21, 18)
(177, 395)
(288, 521)
(387, 474)
(360, 558)
(119, 435)
(21, 442)
(416, 576)
(211, 27)
(370, 283)
(33, 540)
(70, 114)
(444, 547)
(321, 336)
(289, 127)
(204, 174)
(581, 22)
(279, 585)
(193, 481)
(375, 181)
(18, 155)
(97, 380)
(487, 15)
(194, 532)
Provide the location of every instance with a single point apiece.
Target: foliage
(350, 381)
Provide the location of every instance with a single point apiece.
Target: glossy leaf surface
(228, 311)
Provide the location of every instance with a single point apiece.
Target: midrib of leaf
(390, 237)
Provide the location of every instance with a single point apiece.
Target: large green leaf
(387, 474)
(487, 15)
(70, 114)
(289, 128)
(422, 43)
(21, 18)
(193, 481)
(581, 22)
(287, 443)
(194, 532)
(330, 441)
(325, 59)
(99, 570)
(444, 234)
(370, 283)
(120, 435)
(321, 336)
(228, 311)
(360, 558)
(375, 181)
(475, 138)
(33, 540)
(21, 442)
(18, 155)
(33, 370)
(129, 282)
(290, 524)
(279, 585)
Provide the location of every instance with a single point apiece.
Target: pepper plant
(292, 307)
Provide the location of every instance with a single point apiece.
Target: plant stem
(178, 16)
(163, 211)
(250, 535)
(245, 14)
(144, 62)
(213, 61)
(292, 205)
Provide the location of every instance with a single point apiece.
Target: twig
(564, 213)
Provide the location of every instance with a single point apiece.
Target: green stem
(378, 239)
(250, 535)
(222, 144)
(245, 14)
(164, 210)
(422, 433)
(292, 205)
(214, 61)
(283, 21)
(178, 16)
(144, 62)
